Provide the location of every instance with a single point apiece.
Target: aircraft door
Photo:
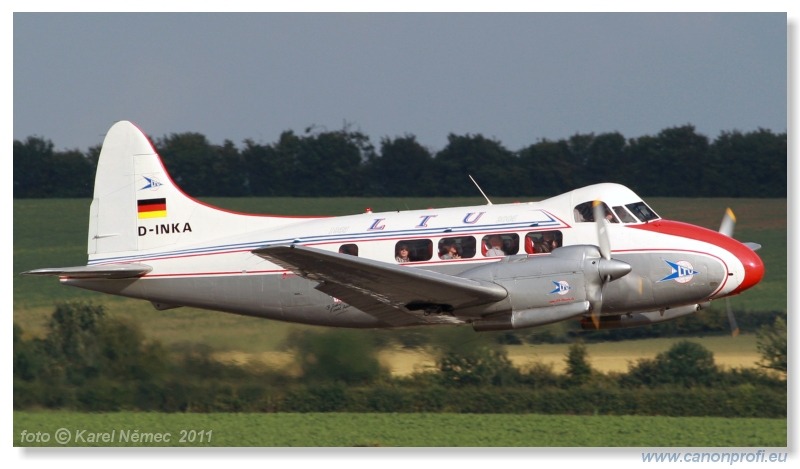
(294, 291)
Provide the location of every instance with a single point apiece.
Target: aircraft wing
(396, 294)
(102, 271)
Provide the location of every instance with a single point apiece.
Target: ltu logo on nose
(682, 272)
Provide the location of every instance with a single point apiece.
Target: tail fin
(137, 207)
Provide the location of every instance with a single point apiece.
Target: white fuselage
(223, 273)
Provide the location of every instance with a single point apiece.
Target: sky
(517, 78)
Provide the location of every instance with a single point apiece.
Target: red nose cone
(753, 266)
(753, 269)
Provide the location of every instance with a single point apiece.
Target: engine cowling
(545, 289)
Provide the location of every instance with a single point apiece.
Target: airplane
(598, 254)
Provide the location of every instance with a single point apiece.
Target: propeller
(602, 229)
(728, 222)
(731, 318)
(726, 228)
(609, 269)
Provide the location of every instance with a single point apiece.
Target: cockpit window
(624, 215)
(585, 212)
(642, 211)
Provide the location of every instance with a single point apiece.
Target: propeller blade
(726, 228)
(728, 223)
(596, 294)
(609, 269)
(731, 318)
(602, 229)
(597, 306)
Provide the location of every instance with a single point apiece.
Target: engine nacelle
(545, 289)
(531, 317)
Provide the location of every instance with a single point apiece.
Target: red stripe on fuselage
(753, 266)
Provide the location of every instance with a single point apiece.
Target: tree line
(89, 360)
(677, 161)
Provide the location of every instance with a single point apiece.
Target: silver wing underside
(395, 294)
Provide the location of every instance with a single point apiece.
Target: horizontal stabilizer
(103, 271)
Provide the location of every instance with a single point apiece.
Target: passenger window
(542, 241)
(624, 215)
(349, 249)
(457, 247)
(413, 250)
(500, 245)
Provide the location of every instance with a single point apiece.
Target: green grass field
(392, 430)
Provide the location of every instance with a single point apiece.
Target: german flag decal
(152, 208)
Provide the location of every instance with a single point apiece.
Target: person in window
(450, 252)
(349, 249)
(548, 242)
(401, 255)
(495, 247)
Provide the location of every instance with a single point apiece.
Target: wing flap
(389, 314)
(103, 271)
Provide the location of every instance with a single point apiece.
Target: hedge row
(739, 401)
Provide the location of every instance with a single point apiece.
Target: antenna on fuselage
(488, 202)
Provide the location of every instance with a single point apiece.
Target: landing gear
(429, 309)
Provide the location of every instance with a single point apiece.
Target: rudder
(113, 214)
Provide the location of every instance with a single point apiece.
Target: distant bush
(579, 371)
(337, 356)
(86, 359)
(772, 345)
(93, 362)
(685, 364)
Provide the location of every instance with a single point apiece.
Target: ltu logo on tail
(682, 272)
(152, 184)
